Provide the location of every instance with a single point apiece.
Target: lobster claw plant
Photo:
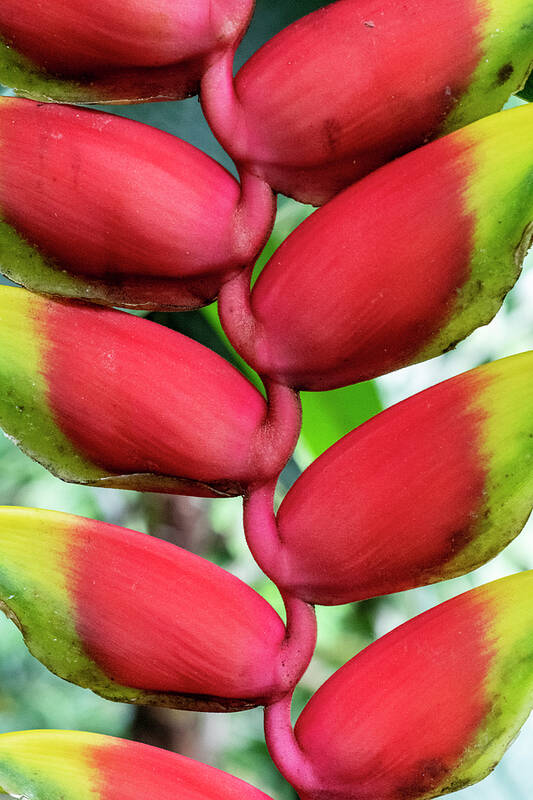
(395, 269)
(145, 241)
(114, 51)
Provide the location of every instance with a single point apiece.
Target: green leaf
(327, 416)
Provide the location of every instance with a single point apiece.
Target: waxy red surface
(321, 116)
(159, 618)
(389, 505)
(425, 454)
(134, 397)
(113, 199)
(142, 771)
(395, 720)
(369, 279)
(95, 36)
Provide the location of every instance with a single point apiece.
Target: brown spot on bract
(452, 346)
(461, 783)
(332, 131)
(459, 540)
(426, 776)
(504, 73)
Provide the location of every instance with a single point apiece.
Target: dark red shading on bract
(159, 618)
(138, 771)
(393, 502)
(395, 720)
(147, 216)
(150, 50)
(351, 86)
(135, 397)
(362, 285)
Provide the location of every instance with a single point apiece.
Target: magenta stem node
(279, 432)
(281, 427)
(261, 530)
(236, 317)
(221, 106)
(300, 639)
(254, 217)
(266, 547)
(284, 748)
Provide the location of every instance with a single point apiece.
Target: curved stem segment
(254, 216)
(276, 441)
(279, 433)
(261, 530)
(221, 105)
(284, 748)
(236, 316)
(300, 640)
(267, 549)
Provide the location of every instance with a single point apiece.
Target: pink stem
(261, 530)
(236, 317)
(254, 216)
(276, 441)
(281, 427)
(267, 549)
(278, 435)
(284, 748)
(221, 106)
(300, 640)
(262, 535)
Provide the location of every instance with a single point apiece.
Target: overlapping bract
(135, 618)
(72, 765)
(101, 397)
(400, 267)
(357, 83)
(102, 208)
(395, 270)
(429, 708)
(114, 51)
(456, 461)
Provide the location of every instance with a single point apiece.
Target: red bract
(73, 765)
(393, 270)
(114, 51)
(102, 208)
(137, 619)
(353, 85)
(100, 396)
(400, 267)
(427, 490)
(427, 709)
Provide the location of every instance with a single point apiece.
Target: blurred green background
(30, 697)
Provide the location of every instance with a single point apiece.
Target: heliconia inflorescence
(73, 765)
(138, 619)
(102, 397)
(457, 460)
(102, 208)
(392, 270)
(355, 84)
(429, 708)
(115, 51)
(399, 267)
